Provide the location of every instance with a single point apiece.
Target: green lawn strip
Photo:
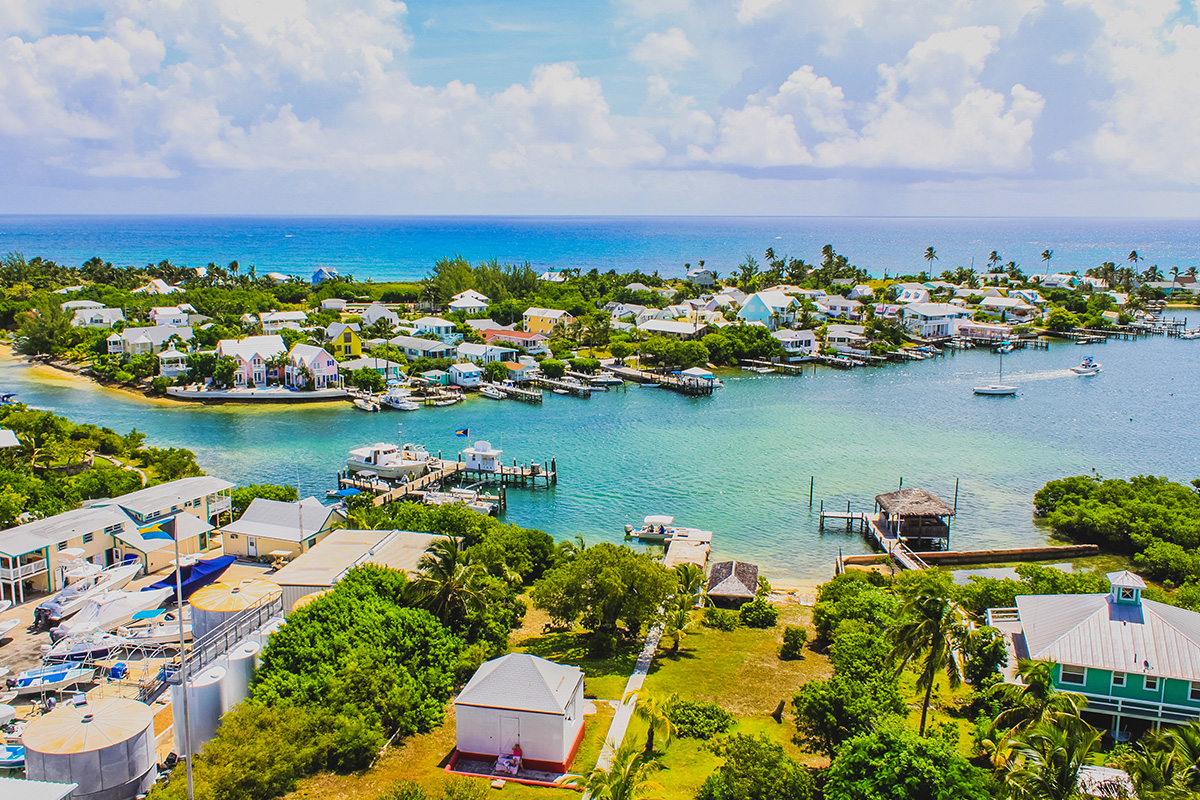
(603, 677)
(943, 707)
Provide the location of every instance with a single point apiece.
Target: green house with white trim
(1133, 659)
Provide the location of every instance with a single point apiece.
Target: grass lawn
(422, 758)
(602, 677)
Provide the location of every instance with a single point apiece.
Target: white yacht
(89, 580)
(389, 461)
(399, 398)
(487, 390)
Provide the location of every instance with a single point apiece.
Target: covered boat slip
(914, 515)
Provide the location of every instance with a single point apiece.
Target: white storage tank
(219, 601)
(263, 637)
(239, 672)
(106, 747)
(203, 712)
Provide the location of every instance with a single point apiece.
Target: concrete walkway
(620, 721)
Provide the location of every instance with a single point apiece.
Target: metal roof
(1092, 630)
(274, 519)
(50, 531)
(521, 682)
(167, 495)
(342, 550)
(36, 790)
(94, 725)
(186, 526)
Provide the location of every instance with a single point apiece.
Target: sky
(742, 107)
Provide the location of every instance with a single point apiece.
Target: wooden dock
(778, 366)
(573, 389)
(442, 471)
(517, 393)
(674, 383)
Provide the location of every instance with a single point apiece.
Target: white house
(171, 363)
(171, 316)
(846, 337)
(931, 319)
(551, 276)
(910, 292)
(860, 291)
(836, 306)
(484, 353)
(1031, 296)
(771, 308)
(701, 277)
(1060, 280)
(1010, 309)
(466, 375)
(97, 317)
(136, 341)
(376, 312)
(673, 328)
(157, 286)
(333, 304)
(482, 457)
(797, 344)
(73, 305)
(275, 321)
(521, 700)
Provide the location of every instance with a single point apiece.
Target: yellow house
(543, 320)
(345, 339)
(273, 527)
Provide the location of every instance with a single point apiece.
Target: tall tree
(931, 626)
(447, 583)
(1048, 762)
(655, 711)
(1046, 256)
(930, 256)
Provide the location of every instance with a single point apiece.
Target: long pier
(778, 366)
(573, 389)
(443, 470)
(517, 393)
(674, 383)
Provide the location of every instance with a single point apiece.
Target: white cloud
(757, 137)
(665, 51)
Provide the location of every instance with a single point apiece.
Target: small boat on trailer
(12, 756)
(91, 582)
(7, 625)
(45, 680)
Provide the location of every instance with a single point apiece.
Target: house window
(1151, 683)
(62, 545)
(233, 536)
(87, 538)
(1118, 679)
(346, 338)
(1127, 594)
(312, 542)
(1194, 692)
(1073, 675)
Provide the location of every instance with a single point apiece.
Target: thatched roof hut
(913, 503)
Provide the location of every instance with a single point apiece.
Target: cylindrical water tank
(107, 747)
(219, 601)
(239, 671)
(263, 637)
(203, 712)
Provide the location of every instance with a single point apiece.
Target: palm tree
(1048, 762)
(1157, 770)
(1037, 701)
(993, 259)
(627, 777)
(930, 256)
(1174, 277)
(1186, 741)
(691, 584)
(447, 582)
(1046, 256)
(678, 620)
(656, 711)
(931, 626)
(1134, 258)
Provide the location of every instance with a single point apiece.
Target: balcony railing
(219, 503)
(22, 571)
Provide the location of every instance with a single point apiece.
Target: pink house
(252, 355)
(320, 365)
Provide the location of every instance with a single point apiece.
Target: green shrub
(464, 789)
(759, 614)
(794, 640)
(720, 618)
(404, 790)
(696, 719)
(159, 384)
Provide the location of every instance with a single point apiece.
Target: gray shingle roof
(521, 682)
(1091, 630)
(733, 579)
(50, 531)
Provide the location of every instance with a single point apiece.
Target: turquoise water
(404, 248)
(739, 462)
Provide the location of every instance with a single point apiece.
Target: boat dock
(573, 389)
(778, 366)
(517, 393)
(675, 383)
(442, 471)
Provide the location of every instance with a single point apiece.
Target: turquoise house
(771, 308)
(1133, 659)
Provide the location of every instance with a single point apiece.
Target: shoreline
(49, 371)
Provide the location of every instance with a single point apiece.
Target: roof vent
(88, 718)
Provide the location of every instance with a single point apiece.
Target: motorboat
(363, 404)
(77, 594)
(1005, 348)
(606, 380)
(560, 391)
(1087, 367)
(7, 625)
(449, 401)
(1194, 334)
(399, 398)
(465, 497)
(999, 387)
(655, 527)
(110, 610)
(85, 646)
(389, 461)
(650, 385)
(491, 392)
(12, 756)
(194, 575)
(154, 631)
(45, 680)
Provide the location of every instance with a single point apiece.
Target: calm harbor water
(739, 462)
(404, 248)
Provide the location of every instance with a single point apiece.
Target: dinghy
(45, 680)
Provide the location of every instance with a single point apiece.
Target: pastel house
(322, 274)
(97, 317)
(176, 316)
(441, 328)
(275, 321)
(469, 302)
(252, 355)
(307, 361)
(344, 339)
(543, 320)
(931, 319)
(836, 306)
(466, 375)
(376, 312)
(770, 308)
(484, 353)
(797, 344)
(521, 701)
(1133, 659)
(138, 341)
(272, 526)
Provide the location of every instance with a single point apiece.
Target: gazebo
(915, 515)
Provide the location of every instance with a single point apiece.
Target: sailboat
(999, 387)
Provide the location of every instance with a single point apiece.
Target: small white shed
(519, 699)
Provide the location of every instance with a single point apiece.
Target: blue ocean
(404, 248)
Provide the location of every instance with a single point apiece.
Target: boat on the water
(489, 391)
(449, 401)
(560, 391)
(389, 461)
(1087, 367)
(77, 594)
(193, 576)
(110, 610)
(399, 398)
(12, 756)
(650, 385)
(44, 680)
(1193, 334)
(999, 387)
(662, 528)
(465, 497)
(363, 404)
(606, 380)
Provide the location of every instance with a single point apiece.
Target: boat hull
(403, 469)
(995, 391)
(1085, 371)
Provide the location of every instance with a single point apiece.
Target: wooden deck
(674, 383)
(442, 471)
